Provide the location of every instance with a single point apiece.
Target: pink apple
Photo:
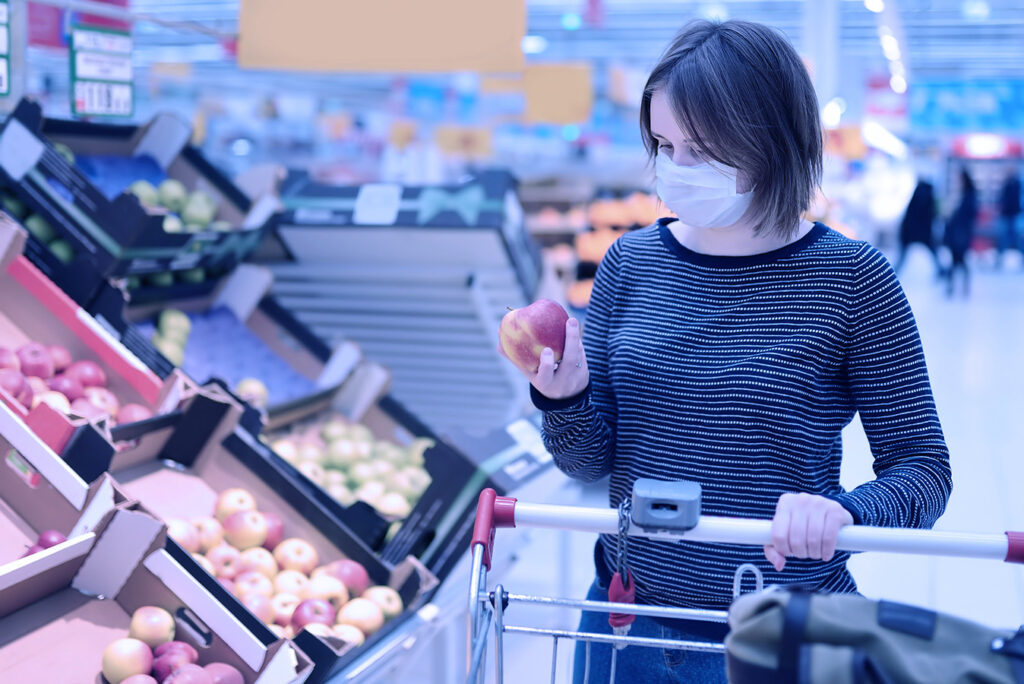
(124, 658)
(225, 560)
(139, 679)
(222, 673)
(524, 333)
(284, 606)
(55, 400)
(185, 533)
(16, 385)
(387, 598)
(351, 573)
(203, 561)
(35, 360)
(50, 538)
(68, 386)
(32, 550)
(133, 413)
(245, 529)
(171, 646)
(275, 530)
(85, 408)
(313, 610)
(260, 560)
(253, 582)
(363, 614)
(259, 605)
(232, 501)
(296, 554)
(290, 582)
(103, 399)
(164, 665)
(211, 533)
(329, 589)
(189, 674)
(151, 625)
(8, 359)
(88, 373)
(350, 634)
(38, 385)
(61, 357)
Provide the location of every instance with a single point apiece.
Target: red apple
(222, 673)
(68, 386)
(387, 598)
(185, 533)
(34, 549)
(225, 560)
(35, 360)
(524, 333)
(88, 373)
(232, 501)
(259, 605)
(350, 634)
(351, 573)
(205, 562)
(363, 614)
(151, 625)
(211, 533)
(313, 610)
(296, 554)
(61, 357)
(139, 679)
(88, 410)
(227, 584)
(133, 413)
(55, 400)
(290, 582)
(126, 657)
(15, 384)
(103, 399)
(330, 589)
(50, 538)
(189, 674)
(259, 560)
(253, 582)
(164, 665)
(245, 529)
(171, 646)
(284, 606)
(8, 359)
(275, 530)
(38, 385)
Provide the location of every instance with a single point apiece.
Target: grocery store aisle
(976, 359)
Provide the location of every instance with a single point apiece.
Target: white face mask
(702, 196)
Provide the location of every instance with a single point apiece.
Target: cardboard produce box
(59, 610)
(85, 200)
(35, 309)
(209, 453)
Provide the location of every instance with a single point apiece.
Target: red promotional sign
(48, 25)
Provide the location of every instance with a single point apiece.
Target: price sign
(5, 48)
(101, 72)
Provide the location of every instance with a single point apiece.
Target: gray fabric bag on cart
(796, 637)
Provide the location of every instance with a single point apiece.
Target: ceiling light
(986, 145)
(571, 21)
(975, 10)
(896, 68)
(875, 6)
(898, 84)
(891, 47)
(831, 113)
(534, 45)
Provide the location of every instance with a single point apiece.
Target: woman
(732, 346)
(960, 231)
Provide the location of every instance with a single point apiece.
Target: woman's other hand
(805, 526)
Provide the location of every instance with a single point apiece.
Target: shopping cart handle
(492, 511)
(1015, 547)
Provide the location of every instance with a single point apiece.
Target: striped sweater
(740, 373)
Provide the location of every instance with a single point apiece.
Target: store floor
(975, 353)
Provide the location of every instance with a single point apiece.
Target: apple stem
(510, 308)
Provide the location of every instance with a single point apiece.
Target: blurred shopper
(731, 348)
(960, 231)
(917, 225)
(1009, 213)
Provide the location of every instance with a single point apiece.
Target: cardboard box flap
(12, 240)
(103, 500)
(164, 139)
(285, 663)
(244, 289)
(20, 150)
(18, 571)
(124, 542)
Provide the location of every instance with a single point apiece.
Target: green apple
(171, 350)
(415, 451)
(343, 453)
(393, 505)
(14, 206)
(334, 477)
(173, 224)
(370, 492)
(173, 194)
(382, 469)
(146, 192)
(313, 470)
(174, 324)
(400, 482)
(360, 433)
(63, 250)
(334, 429)
(341, 494)
(65, 151)
(222, 226)
(199, 209)
(362, 472)
(41, 228)
(286, 449)
(311, 451)
(385, 451)
(193, 276)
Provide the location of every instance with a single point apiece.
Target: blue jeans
(635, 664)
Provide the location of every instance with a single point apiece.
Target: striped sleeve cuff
(575, 402)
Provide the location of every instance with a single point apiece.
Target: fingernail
(547, 352)
(574, 323)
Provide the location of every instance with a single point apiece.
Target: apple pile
(281, 580)
(351, 465)
(149, 655)
(191, 212)
(44, 541)
(171, 335)
(37, 374)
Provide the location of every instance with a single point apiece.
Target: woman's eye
(664, 147)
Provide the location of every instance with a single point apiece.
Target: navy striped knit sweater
(740, 373)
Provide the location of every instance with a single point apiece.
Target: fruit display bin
(86, 202)
(238, 332)
(35, 309)
(60, 609)
(208, 454)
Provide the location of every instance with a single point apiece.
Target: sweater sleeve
(579, 431)
(888, 380)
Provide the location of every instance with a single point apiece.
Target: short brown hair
(743, 96)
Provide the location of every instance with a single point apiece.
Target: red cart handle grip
(492, 511)
(1015, 547)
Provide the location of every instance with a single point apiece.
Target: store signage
(101, 72)
(558, 93)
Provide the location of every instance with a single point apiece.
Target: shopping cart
(668, 512)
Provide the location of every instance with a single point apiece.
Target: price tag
(101, 73)
(5, 48)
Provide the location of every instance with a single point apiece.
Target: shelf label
(5, 48)
(101, 72)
